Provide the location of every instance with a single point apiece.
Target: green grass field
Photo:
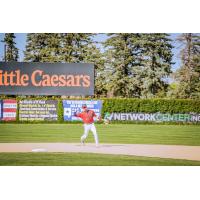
(85, 159)
(113, 133)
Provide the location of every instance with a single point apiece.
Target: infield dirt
(162, 151)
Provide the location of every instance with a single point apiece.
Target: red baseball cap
(84, 106)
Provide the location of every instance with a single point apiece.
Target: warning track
(162, 151)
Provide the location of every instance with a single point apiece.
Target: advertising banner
(72, 106)
(9, 109)
(38, 110)
(69, 79)
(157, 117)
(1, 110)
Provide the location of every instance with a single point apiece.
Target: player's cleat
(97, 145)
(82, 142)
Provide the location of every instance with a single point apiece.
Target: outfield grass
(113, 133)
(84, 159)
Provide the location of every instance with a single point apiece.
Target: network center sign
(69, 79)
(157, 117)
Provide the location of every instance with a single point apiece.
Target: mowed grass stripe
(85, 159)
(113, 133)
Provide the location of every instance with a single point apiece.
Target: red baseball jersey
(87, 116)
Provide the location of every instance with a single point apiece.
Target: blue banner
(72, 106)
(1, 109)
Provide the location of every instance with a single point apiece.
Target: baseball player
(88, 119)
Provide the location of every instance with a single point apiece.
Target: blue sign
(1, 109)
(72, 106)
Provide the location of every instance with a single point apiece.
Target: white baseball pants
(87, 128)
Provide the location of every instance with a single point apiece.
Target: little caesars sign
(157, 117)
(69, 79)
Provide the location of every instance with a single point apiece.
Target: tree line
(137, 65)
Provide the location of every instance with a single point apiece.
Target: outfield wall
(56, 110)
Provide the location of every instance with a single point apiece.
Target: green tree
(155, 64)
(65, 47)
(75, 46)
(121, 54)
(11, 49)
(82, 48)
(94, 55)
(138, 64)
(59, 47)
(188, 75)
(196, 77)
(43, 47)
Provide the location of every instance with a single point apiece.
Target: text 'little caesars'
(39, 78)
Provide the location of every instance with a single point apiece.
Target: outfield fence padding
(127, 110)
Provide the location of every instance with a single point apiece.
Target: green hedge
(151, 105)
(60, 111)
